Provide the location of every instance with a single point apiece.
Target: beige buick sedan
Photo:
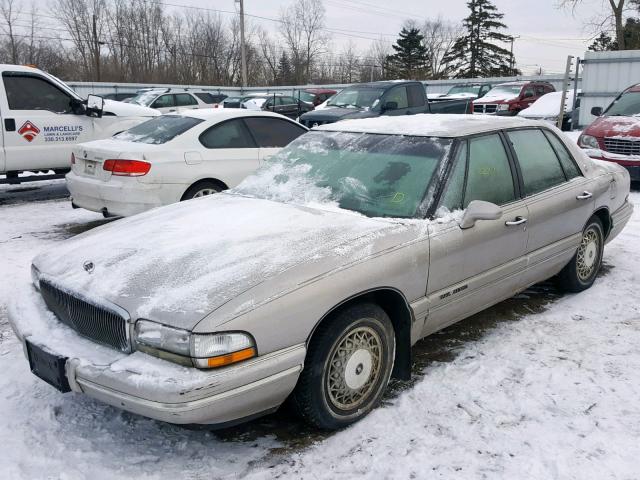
(315, 277)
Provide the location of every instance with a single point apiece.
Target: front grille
(622, 147)
(99, 323)
(485, 108)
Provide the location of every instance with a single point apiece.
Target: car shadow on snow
(441, 347)
(33, 192)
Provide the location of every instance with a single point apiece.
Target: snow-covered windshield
(356, 97)
(627, 105)
(376, 175)
(459, 89)
(508, 91)
(159, 130)
(145, 98)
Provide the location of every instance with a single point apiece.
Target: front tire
(580, 273)
(347, 369)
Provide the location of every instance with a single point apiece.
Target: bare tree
(616, 16)
(439, 38)
(10, 11)
(302, 27)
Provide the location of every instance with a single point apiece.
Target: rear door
(473, 268)
(185, 101)
(271, 134)
(230, 152)
(288, 106)
(39, 127)
(557, 195)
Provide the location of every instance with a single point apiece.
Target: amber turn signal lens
(230, 358)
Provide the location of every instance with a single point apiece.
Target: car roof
(227, 113)
(320, 90)
(429, 125)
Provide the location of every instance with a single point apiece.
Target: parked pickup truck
(374, 99)
(42, 119)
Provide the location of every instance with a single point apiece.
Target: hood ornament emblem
(88, 267)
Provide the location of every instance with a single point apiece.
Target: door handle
(517, 221)
(585, 195)
(10, 124)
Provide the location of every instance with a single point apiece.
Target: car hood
(615, 127)
(122, 109)
(179, 263)
(329, 115)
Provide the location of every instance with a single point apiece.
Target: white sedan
(174, 157)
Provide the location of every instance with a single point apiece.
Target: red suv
(511, 97)
(615, 135)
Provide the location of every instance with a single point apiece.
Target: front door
(471, 269)
(39, 127)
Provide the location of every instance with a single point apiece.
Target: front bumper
(155, 388)
(123, 196)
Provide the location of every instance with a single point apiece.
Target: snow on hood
(623, 128)
(122, 109)
(548, 105)
(178, 263)
(498, 97)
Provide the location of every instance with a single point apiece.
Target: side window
(399, 96)
(489, 177)
(206, 97)
(231, 134)
(163, 101)
(273, 132)
(571, 170)
(453, 194)
(528, 92)
(538, 162)
(28, 92)
(416, 95)
(286, 101)
(540, 90)
(184, 100)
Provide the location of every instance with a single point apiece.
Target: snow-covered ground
(542, 386)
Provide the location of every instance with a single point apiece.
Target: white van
(42, 119)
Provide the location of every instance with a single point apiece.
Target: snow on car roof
(428, 125)
(225, 113)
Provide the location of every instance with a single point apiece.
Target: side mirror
(95, 106)
(596, 111)
(390, 106)
(479, 210)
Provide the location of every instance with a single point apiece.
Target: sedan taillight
(127, 168)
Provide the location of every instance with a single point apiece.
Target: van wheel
(347, 369)
(202, 189)
(580, 273)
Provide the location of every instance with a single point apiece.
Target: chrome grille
(99, 323)
(485, 108)
(622, 147)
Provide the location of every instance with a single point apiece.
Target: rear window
(159, 130)
(209, 98)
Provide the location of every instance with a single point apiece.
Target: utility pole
(513, 63)
(565, 86)
(96, 47)
(243, 54)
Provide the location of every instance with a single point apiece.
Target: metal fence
(604, 76)
(432, 86)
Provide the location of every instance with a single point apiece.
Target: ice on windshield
(158, 130)
(376, 175)
(357, 97)
(145, 98)
(627, 105)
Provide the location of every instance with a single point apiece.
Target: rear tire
(580, 273)
(202, 189)
(347, 368)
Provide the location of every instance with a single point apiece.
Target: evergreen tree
(475, 54)
(285, 72)
(410, 60)
(603, 43)
(631, 33)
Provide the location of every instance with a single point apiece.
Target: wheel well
(220, 183)
(605, 218)
(396, 307)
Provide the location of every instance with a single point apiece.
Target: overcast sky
(547, 34)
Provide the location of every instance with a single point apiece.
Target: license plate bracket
(90, 167)
(48, 367)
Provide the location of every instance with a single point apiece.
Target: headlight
(209, 350)
(35, 277)
(503, 106)
(588, 141)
